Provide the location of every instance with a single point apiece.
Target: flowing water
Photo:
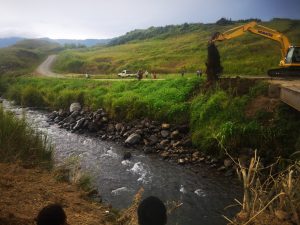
(204, 195)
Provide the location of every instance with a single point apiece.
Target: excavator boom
(289, 54)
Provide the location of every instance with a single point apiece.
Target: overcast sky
(80, 19)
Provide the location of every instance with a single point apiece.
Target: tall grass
(217, 117)
(269, 196)
(19, 142)
(161, 100)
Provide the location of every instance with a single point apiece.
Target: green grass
(216, 117)
(245, 55)
(19, 142)
(157, 99)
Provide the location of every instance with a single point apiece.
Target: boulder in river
(127, 155)
(75, 107)
(79, 124)
(133, 139)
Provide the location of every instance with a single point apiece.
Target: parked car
(126, 73)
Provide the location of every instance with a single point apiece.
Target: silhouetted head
(52, 215)
(152, 211)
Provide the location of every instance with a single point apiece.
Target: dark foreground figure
(152, 211)
(52, 215)
(213, 64)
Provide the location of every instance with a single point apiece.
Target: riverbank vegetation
(217, 116)
(174, 48)
(20, 142)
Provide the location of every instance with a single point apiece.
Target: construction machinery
(290, 55)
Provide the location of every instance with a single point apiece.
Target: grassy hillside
(24, 56)
(169, 49)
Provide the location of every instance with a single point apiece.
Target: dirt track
(45, 68)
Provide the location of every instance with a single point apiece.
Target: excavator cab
(293, 55)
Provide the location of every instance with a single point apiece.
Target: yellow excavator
(290, 55)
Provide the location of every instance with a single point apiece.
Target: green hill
(24, 56)
(171, 48)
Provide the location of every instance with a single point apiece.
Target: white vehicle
(126, 73)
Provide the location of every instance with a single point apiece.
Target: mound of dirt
(24, 192)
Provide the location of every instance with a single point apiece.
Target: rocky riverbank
(171, 142)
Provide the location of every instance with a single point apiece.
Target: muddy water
(204, 195)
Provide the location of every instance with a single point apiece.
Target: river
(204, 194)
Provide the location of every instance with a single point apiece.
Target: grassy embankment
(25, 56)
(217, 117)
(170, 49)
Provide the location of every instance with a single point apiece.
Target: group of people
(199, 73)
(140, 74)
(151, 211)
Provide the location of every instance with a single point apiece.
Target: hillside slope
(170, 49)
(24, 56)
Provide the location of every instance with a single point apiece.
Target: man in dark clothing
(152, 211)
(52, 215)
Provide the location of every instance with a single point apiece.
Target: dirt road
(45, 68)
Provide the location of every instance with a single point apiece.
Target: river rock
(119, 127)
(153, 140)
(164, 154)
(92, 127)
(165, 133)
(181, 161)
(165, 126)
(175, 134)
(75, 107)
(53, 115)
(148, 150)
(110, 128)
(133, 139)
(79, 124)
(127, 155)
(164, 142)
(104, 119)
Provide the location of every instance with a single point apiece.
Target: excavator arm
(254, 28)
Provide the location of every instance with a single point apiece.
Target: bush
(32, 97)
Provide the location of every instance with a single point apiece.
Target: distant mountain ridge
(6, 42)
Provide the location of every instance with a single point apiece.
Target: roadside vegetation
(174, 48)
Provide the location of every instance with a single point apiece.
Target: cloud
(103, 18)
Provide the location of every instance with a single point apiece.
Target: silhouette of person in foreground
(152, 211)
(52, 214)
